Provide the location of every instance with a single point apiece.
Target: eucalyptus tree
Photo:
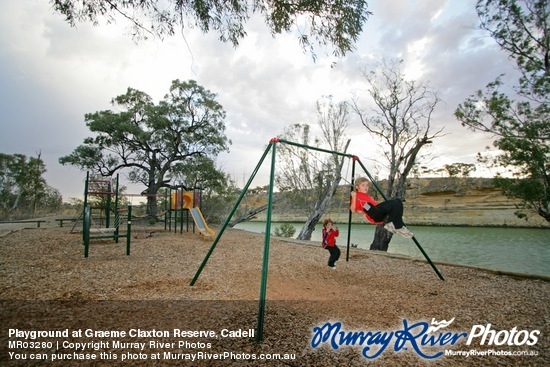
(329, 23)
(149, 141)
(23, 188)
(519, 119)
(310, 178)
(400, 121)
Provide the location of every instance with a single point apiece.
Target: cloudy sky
(52, 74)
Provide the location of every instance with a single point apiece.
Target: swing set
(263, 286)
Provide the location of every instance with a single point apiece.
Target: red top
(361, 199)
(329, 238)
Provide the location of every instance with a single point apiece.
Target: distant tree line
(456, 169)
(23, 189)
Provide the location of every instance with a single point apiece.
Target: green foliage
(521, 126)
(180, 136)
(521, 29)
(451, 170)
(22, 187)
(334, 23)
(218, 201)
(459, 169)
(198, 172)
(285, 230)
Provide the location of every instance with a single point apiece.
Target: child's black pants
(334, 255)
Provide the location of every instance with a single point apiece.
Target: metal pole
(117, 214)
(86, 229)
(171, 204)
(86, 188)
(414, 239)
(129, 230)
(315, 148)
(336, 153)
(350, 213)
(226, 223)
(181, 209)
(265, 265)
(378, 188)
(108, 204)
(166, 202)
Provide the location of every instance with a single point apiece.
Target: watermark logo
(420, 337)
(436, 325)
(415, 336)
(514, 337)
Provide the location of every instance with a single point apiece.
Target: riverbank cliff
(450, 201)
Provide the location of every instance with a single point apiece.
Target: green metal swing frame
(265, 266)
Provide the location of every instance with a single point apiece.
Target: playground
(166, 281)
(46, 283)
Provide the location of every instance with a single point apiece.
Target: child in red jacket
(329, 242)
(362, 202)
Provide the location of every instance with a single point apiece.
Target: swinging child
(376, 213)
(329, 242)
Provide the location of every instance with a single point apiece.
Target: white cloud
(53, 74)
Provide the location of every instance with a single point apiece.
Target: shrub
(285, 230)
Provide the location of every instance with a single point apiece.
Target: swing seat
(102, 230)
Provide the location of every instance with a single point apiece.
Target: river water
(518, 250)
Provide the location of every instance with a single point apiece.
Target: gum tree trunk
(381, 240)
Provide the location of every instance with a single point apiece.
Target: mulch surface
(47, 284)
